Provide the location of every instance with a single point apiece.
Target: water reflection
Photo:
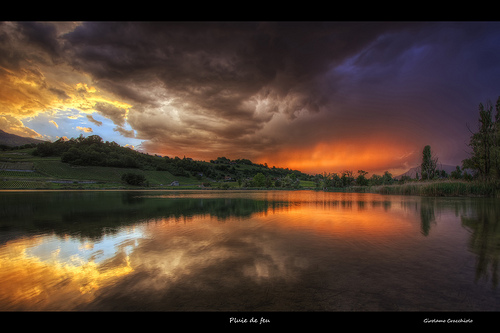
(484, 223)
(427, 215)
(276, 250)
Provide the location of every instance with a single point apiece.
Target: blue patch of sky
(71, 123)
(108, 133)
(43, 124)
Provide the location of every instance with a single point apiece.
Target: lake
(247, 251)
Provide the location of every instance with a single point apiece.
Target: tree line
(348, 178)
(94, 151)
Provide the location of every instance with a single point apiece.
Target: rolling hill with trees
(90, 160)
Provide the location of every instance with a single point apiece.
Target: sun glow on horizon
(371, 156)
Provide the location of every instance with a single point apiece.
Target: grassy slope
(51, 173)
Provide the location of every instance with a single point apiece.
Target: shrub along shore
(445, 188)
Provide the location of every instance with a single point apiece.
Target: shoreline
(447, 188)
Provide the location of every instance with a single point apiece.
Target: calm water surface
(247, 251)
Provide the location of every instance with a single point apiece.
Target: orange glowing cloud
(38, 83)
(15, 126)
(369, 155)
(34, 89)
(21, 92)
(85, 129)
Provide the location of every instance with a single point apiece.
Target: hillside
(12, 140)
(20, 169)
(92, 163)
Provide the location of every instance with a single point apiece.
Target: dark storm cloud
(277, 85)
(10, 55)
(216, 66)
(360, 73)
(438, 72)
(43, 36)
(203, 59)
(116, 114)
(217, 70)
(28, 41)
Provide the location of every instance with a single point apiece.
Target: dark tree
(362, 180)
(485, 144)
(429, 164)
(134, 179)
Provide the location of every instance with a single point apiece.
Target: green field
(21, 170)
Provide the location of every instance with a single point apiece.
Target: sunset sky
(313, 96)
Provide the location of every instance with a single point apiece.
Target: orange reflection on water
(354, 215)
(29, 283)
(261, 245)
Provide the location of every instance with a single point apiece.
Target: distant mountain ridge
(12, 140)
(413, 171)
